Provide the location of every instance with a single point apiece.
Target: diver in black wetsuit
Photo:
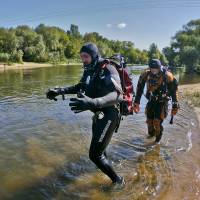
(99, 91)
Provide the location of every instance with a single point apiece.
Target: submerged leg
(150, 117)
(158, 129)
(151, 129)
(102, 132)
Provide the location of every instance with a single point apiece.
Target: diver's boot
(158, 137)
(119, 180)
(118, 184)
(151, 134)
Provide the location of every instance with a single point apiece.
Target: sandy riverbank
(29, 65)
(191, 94)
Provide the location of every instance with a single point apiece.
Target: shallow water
(44, 147)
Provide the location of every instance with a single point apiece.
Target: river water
(44, 146)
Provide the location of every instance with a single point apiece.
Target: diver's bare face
(86, 58)
(154, 71)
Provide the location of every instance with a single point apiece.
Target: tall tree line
(53, 44)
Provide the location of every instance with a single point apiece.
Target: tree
(8, 41)
(72, 48)
(74, 31)
(153, 51)
(190, 57)
(185, 47)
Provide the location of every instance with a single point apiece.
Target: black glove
(175, 105)
(81, 103)
(52, 93)
(175, 108)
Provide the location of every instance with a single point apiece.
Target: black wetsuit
(100, 84)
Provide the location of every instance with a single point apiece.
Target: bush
(17, 56)
(197, 69)
(54, 57)
(4, 57)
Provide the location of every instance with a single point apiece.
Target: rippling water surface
(44, 146)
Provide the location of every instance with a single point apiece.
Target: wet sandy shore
(190, 89)
(29, 65)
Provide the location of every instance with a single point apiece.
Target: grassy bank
(191, 94)
(193, 98)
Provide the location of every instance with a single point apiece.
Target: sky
(140, 21)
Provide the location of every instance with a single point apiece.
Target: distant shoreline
(30, 65)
